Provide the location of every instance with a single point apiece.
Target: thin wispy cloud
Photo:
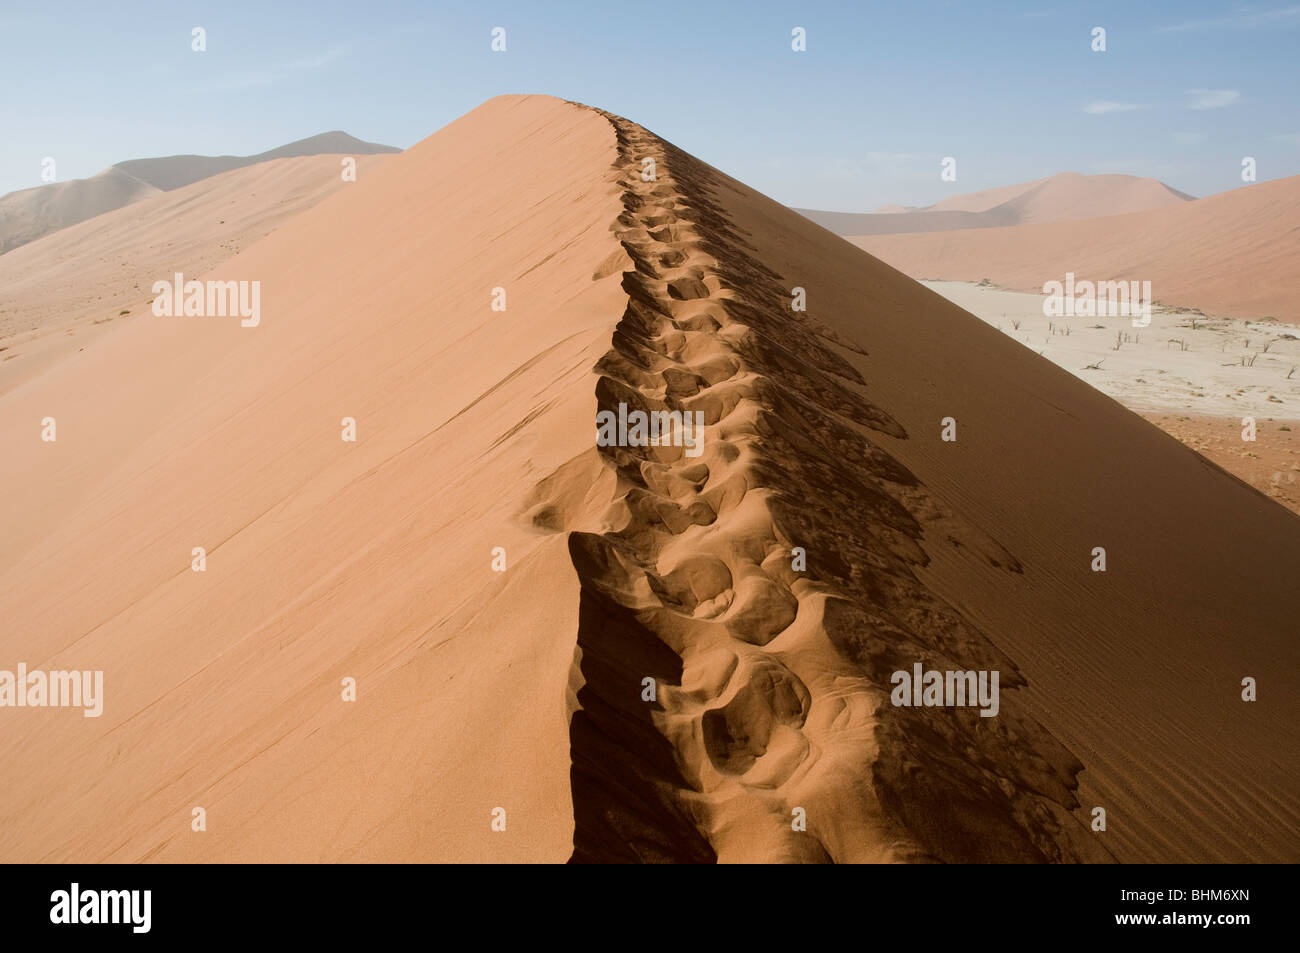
(1245, 18)
(869, 163)
(1212, 98)
(276, 73)
(1101, 107)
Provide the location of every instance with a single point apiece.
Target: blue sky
(1013, 91)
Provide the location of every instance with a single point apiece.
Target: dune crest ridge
(773, 684)
(500, 587)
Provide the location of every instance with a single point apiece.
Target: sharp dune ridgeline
(525, 689)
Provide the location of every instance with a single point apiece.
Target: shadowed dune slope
(627, 569)
(1228, 254)
(973, 554)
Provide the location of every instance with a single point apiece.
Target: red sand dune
(1065, 197)
(72, 285)
(29, 214)
(522, 690)
(1230, 254)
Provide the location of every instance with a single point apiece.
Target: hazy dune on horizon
(73, 284)
(520, 687)
(1231, 254)
(1064, 197)
(29, 214)
(32, 213)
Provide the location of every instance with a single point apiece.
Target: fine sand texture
(70, 286)
(1270, 463)
(1232, 254)
(612, 653)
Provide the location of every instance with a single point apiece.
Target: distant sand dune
(73, 284)
(1065, 197)
(174, 172)
(1229, 254)
(30, 214)
(27, 215)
